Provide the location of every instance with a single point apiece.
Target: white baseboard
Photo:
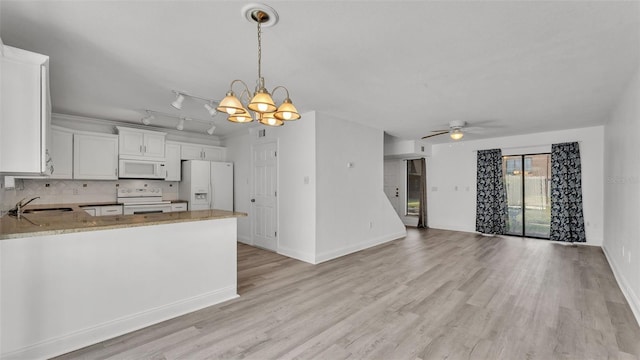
(88, 336)
(627, 291)
(298, 255)
(245, 239)
(357, 247)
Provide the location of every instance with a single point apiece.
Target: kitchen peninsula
(69, 279)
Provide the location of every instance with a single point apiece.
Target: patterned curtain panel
(567, 220)
(422, 211)
(491, 203)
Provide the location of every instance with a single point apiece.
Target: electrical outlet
(75, 191)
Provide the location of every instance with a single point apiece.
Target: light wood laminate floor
(433, 295)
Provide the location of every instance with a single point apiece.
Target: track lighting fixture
(180, 125)
(212, 110)
(181, 120)
(260, 101)
(209, 104)
(179, 100)
(147, 119)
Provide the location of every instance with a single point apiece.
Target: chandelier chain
(259, 53)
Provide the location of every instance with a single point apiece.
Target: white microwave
(141, 169)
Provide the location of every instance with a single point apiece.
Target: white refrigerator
(207, 185)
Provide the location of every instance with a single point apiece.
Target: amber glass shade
(269, 120)
(262, 102)
(243, 117)
(287, 111)
(230, 104)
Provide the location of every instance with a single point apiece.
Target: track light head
(178, 102)
(180, 125)
(212, 111)
(211, 130)
(147, 119)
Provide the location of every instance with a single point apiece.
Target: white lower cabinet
(110, 210)
(95, 156)
(179, 207)
(103, 210)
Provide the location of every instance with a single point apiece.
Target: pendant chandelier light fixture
(259, 101)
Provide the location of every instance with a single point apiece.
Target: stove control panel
(139, 192)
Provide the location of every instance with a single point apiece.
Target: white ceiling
(405, 67)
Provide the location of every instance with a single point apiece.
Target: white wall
(63, 292)
(239, 152)
(325, 209)
(622, 193)
(353, 212)
(296, 200)
(451, 176)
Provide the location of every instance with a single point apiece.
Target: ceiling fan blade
(443, 130)
(432, 135)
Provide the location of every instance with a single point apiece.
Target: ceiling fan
(454, 131)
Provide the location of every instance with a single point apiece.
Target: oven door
(146, 209)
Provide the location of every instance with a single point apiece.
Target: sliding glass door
(528, 186)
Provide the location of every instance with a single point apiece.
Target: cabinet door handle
(145, 148)
(140, 148)
(116, 172)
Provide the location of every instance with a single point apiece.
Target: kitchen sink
(47, 210)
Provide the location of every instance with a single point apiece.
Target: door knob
(253, 200)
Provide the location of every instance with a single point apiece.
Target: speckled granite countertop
(78, 220)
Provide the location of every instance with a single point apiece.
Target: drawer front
(110, 210)
(179, 207)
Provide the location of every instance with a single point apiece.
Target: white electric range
(146, 200)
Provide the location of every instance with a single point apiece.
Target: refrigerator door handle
(209, 192)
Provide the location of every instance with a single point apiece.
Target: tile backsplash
(76, 191)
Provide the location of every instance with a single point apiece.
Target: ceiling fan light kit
(259, 101)
(456, 134)
(455, 130)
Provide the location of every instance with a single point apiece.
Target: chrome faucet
(17, 210)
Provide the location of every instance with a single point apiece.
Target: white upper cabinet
(203, 152)
(25, 112)
(95, 156)
(214, 153)
(61, 153)
(173, 166)
(141, 144)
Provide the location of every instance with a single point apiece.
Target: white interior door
(393, 183)
(264, 203)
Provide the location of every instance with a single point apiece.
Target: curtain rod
(529, 146)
